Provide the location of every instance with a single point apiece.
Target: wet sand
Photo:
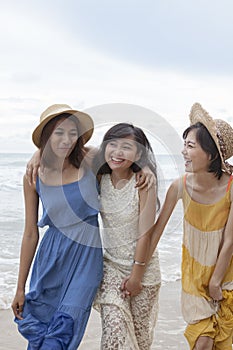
(168, 331)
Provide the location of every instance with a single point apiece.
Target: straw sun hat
(85, 121)
(220, 131)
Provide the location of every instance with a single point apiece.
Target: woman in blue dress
(67, 268)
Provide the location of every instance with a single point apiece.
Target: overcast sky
(163, 55)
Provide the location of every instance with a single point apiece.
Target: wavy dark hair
(77, 154)
(123, 130)
(209, 147)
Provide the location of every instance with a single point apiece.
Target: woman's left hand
(130, 287)
(133, 287)
(215, 292)
(125, 293)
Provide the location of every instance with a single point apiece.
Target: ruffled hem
(218, 327)
(55, 335)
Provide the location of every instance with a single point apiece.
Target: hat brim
(86, 125)
(199, 115)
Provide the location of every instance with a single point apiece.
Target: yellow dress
(203, 232)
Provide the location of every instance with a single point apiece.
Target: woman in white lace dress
(128, 316)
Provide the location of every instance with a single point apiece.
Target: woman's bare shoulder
(90, 153)
(176, 187)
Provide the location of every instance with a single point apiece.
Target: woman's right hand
(17, 304)
(33, 167)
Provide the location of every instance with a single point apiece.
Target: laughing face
(196, 159)
(121, 153)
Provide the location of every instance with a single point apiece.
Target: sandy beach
(168, 332)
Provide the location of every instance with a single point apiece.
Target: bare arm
(174, 193)
(35, 162)
(223, 260)
(147, 203)
(28, 247)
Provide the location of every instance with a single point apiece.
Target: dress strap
(229, 183)
(183, 183)
(184, 179)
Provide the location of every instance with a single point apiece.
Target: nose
(66, 139)
(184, 151)
(119, 151)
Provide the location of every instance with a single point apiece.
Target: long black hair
(124, 130)
(208, 145)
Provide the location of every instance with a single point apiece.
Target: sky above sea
(161, 55)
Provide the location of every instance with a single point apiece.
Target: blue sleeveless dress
(67, 269)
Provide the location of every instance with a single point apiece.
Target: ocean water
(12, 169)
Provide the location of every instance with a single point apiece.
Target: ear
(217, 155)
(138, 156)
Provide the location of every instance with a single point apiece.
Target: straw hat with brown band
(220, 131)
(85, 121)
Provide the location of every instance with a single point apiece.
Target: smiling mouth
(187, 162)
(117, 160)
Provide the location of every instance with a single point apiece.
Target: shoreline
(168, 332)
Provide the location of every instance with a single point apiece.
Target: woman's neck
(61, 165)
(206, 188)
(60, 174)
(204, 179)
(120, 178)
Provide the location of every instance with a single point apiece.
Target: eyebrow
(192, 142)
(128, 143)
(61, 128)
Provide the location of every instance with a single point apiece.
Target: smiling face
(64, 138)
(121, 153)
(196, 159)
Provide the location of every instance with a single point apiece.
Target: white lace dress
(127, 324)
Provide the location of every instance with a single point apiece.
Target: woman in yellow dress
(207, 262)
